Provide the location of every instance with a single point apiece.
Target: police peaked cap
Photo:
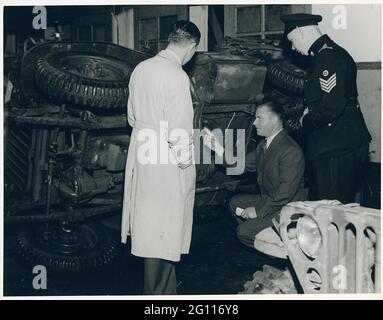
(295, 20)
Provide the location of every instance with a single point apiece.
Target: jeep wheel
(93, 80)
(64, 249)
(286, 76)
(90, 74)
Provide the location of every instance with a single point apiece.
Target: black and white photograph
(191, 150)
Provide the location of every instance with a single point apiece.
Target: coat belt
(141, 125)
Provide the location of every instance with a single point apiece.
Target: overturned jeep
(66, 139)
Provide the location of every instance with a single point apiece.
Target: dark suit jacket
(280, 172)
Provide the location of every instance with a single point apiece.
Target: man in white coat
(159, 189)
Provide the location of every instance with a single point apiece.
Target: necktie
(263, 151)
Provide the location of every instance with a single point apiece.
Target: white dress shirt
(271, 138)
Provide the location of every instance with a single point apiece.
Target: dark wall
(18, 21)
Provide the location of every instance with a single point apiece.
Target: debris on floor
(270, 281)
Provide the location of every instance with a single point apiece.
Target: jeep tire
(90, 80)
(98, 247)
(286, 76)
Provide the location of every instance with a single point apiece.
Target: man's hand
(184, 163)
(306, 111)
(210, 140)
(248, 213)
(182, 151)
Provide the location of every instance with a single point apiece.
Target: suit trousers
(159, 277)
(337, 177)
(248, 228)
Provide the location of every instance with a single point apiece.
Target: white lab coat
(158, 198)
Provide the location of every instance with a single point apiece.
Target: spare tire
(286, 76)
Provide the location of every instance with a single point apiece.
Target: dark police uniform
(337, 141)
(337, 136)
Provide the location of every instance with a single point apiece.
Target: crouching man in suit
(279, 163)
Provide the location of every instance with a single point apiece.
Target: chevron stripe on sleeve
(329, 84)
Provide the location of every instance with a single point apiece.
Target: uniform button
(329, 124)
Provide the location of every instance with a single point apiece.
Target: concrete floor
(217, 264)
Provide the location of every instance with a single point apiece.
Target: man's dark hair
(184, 30)
(276, 108)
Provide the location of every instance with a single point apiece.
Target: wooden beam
(215, 26)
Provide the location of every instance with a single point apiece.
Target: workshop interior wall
(357, 28)
(369, 86)
(231, 20)
(199, 15)
(123, 28)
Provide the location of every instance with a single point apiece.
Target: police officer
(337, 136)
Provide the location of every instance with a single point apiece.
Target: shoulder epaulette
(325, 46)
